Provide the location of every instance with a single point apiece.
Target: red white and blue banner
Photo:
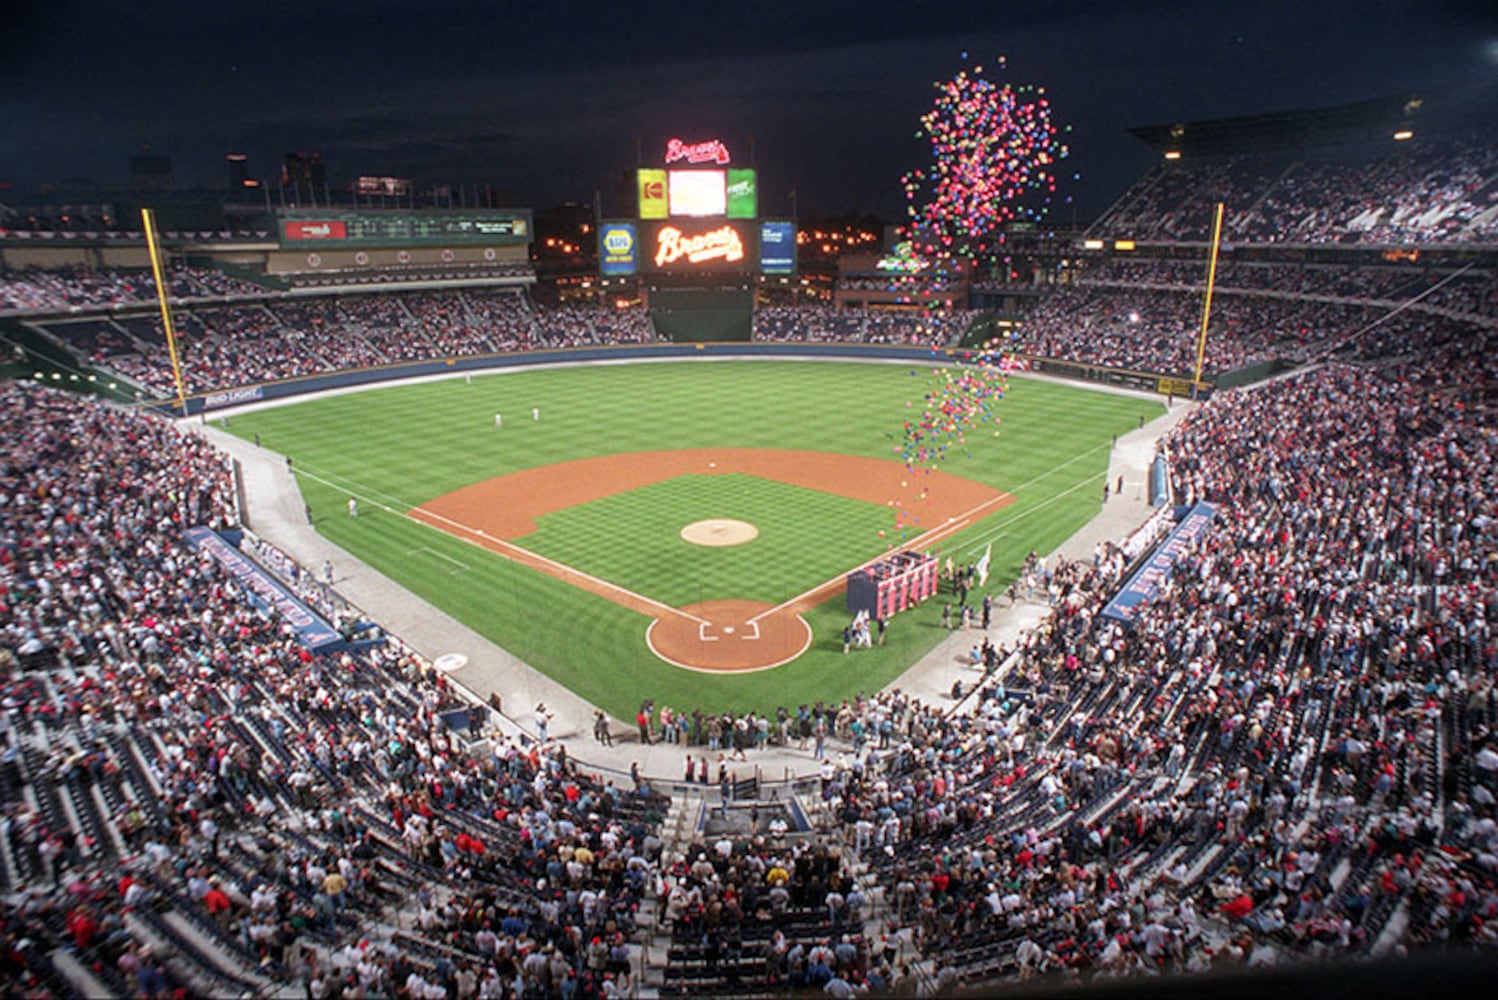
(265, 591)
(1144, 585)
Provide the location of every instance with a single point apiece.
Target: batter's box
(713, 631)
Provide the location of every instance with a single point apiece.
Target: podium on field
(891, 585)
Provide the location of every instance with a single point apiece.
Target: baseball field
(679, 530)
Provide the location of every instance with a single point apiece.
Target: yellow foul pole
(1201, 341)
(148, 221)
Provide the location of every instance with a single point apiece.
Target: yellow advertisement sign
(1174, 387)
(652, 184)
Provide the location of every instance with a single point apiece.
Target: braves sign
(672, 245)
(708, 151)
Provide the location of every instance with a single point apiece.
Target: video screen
(698, 193)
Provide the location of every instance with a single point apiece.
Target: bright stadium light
(1123, 245)
(1403, 135)
(1172, 154)
(1092, 244)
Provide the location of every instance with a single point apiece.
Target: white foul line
(953, 524)
(563, 570)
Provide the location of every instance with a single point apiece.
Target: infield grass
(634, 539)
(398, 447)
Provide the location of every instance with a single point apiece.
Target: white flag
(983, 565)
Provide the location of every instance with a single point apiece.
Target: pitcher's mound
(719, 532)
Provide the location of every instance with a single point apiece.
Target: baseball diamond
(729, 635)
(570, 526)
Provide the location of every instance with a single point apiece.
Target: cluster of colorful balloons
(952, 413)
(995, 153)
(960, 400)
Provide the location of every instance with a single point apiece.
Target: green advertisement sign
(743, 194)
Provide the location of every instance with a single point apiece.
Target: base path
(715, 635)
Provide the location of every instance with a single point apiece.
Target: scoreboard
(696, 214)
(666, 194)
(475, 227)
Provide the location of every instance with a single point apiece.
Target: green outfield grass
(398, 447)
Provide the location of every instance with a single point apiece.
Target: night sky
(547, 101)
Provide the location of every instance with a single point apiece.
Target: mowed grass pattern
(397, 447)
(634, 539)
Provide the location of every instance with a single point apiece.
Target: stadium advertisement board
(474, 227)
(777, 247)
(687, 246)
(652, 187)
(618, 249)
(233, 397)
(313, 229)
(265, 591)
(743, 194)
(1145, 584)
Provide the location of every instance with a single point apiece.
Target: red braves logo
(709, 151)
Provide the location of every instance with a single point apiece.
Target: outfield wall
(287, 388)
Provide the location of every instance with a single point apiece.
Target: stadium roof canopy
(1374, 120)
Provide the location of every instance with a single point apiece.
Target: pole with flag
(982, 566)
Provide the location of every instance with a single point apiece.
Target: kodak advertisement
(653, 202)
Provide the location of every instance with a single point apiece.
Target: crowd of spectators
(226, 346)
(1289, 755)
(1469, 293)
(197, 805)
(1154, 330)
(824, 325)
(1434, 195)
(81, 289)
(50, 290)
(1145, 315)
(589, 326)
